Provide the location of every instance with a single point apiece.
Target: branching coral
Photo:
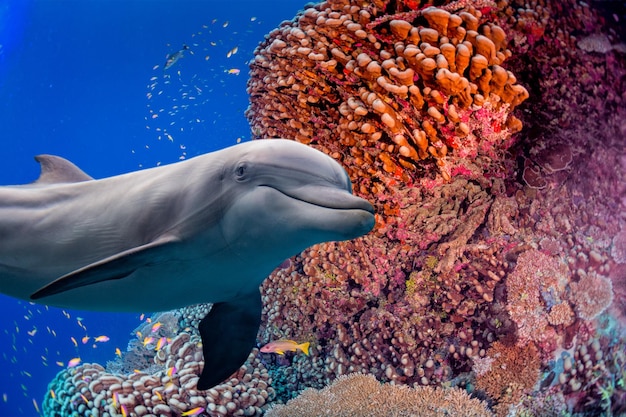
(513, 371)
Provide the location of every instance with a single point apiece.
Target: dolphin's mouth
(328, 197)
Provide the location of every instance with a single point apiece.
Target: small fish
(85, 340)
(72, 363)
(53, 394)
(282, 346)
(147, 341)
(162, 341)
(171, 371)
(74, 341)
(192, 412)
(234, 71)
(32, 332)
(173, 58)
(158, 394)
(232, 52)
(36, 406)
(85, 399)
(142, 316)
(59, 363)
(156, 326)
(124, 410)
(102, 339)
(118, 352)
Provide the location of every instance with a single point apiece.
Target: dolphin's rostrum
(206, 230)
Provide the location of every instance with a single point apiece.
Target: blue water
(79, 78)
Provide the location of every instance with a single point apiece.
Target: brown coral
(514, 370)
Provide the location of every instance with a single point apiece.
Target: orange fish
(285, 345)
(155, 327)
(162, 341)
(102, 339)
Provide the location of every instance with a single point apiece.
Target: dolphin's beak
(329, 197)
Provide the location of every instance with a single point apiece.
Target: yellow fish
(74, 362)
(285, 345)
(102, 339)
(118, 352)
(162, 341)
(193, 412)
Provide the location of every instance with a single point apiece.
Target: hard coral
(385, 88)
(514, 370)
(536, 286)
(362, 395)
(164, 387)
(591, 295)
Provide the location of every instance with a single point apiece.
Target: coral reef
(165, 385)
(362, 395)
(503, 251)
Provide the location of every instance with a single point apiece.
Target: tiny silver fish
(173, 58)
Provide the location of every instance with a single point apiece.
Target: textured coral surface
(496, 261)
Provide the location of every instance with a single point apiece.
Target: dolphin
(208, 229)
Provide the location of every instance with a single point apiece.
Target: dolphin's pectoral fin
(117, 266)
(228, 335)
(55, 169)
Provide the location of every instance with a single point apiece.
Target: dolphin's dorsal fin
(55, 169)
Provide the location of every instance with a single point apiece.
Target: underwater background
(498, 263)
(74, 80)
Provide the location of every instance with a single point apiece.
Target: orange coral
(383, 93)
(514, 370)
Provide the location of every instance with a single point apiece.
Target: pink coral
(537, 284)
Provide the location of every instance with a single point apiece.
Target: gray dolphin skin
(206, 230)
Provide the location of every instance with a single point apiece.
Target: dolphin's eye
(241, 172)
